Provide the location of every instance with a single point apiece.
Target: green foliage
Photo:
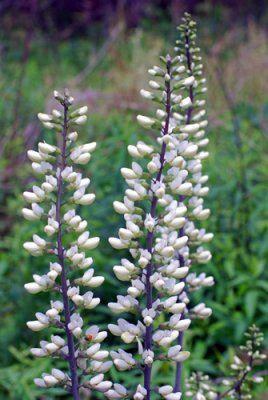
(238, 170)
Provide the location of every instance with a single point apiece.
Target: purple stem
(178, 373)
(237, 386)
(64, 285)
(150, 237)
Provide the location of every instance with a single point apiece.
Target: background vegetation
(101, 51)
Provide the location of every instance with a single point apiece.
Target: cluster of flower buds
(67, 241)
(162, 207)
(241, 376)
(190, 123)
(199, 387)
(57, 377)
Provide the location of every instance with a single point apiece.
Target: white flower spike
(79, 346)
(162, 207)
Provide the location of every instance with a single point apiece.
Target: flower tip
(44, 117)
(144, 121)
(116, 243)
(32, 288)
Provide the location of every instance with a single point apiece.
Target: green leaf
(251, 300)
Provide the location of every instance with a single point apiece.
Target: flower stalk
(164, 198)
(62, 190)
(64, 285)
(159, 208)
(185, 48)
(178, 373)
(150, 235)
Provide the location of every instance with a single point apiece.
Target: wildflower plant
(67, 241)
(162, 208)
(241, 377)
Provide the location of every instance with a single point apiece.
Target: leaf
(263, 285)
(251, 300)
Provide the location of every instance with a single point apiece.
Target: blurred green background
(101, 51)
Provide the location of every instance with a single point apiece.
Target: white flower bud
(185, 188)
(168, 251)
(199, 396)
(174, 396)
(128, 173)
(180, 69)
(149, 222)
(58, 374)
(177, 162)
(56, 113)
(31, 197)
(188, 81)
(49, 230)
(34, 156)
(44, 117)
(33, 288)
(87, 199)
(190, 128)
(127, 337)
(49, 125)
(117, 243)
(32, 248)
(51, 348)
(125, 234)
(96, 380)
(154, 85)
(73, 136)
(181, 242)
(35, 325)
(89, 147)
(178, 356)
(161, 114)
(146, 122)
(50, 380)
(39, 241)
(186, 103)
(91, 243)
(40, 383)
(46, 148)
(120, 208)
(83, 158)
(258, 379)
(58, 96)
(29, 214)
(80, 120)
(36, 352)
(121, 273)
(146, 94)
(82, 110)
(152, 167)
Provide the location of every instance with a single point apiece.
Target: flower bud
(146, 94)
(87, 199)
(146, 122)
(46, 148)
(33, 288)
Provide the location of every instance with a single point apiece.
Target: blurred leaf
(251, 300)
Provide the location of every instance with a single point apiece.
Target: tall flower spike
(164, 197)
(189, 120)
(70, 270)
